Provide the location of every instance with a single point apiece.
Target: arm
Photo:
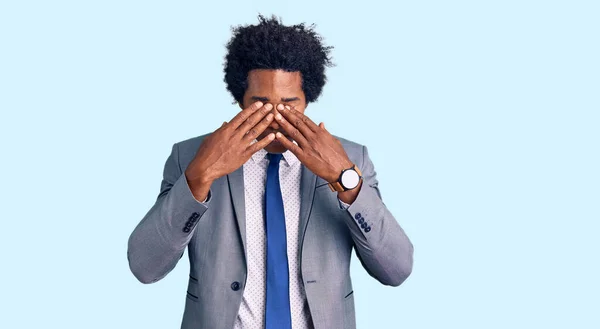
(159, 240)
(382, 246)
(384, 250)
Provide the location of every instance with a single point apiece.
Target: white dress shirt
(251, 314)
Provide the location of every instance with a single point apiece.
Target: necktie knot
(274, 157)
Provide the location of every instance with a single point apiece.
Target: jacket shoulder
(190, 145)
(352, 148)
(186, 149)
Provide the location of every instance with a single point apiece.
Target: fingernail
(259, 104)
(288, 107)
(278, 116)
(271, 136)
(279, 135)
(269, 116)
(280, 107)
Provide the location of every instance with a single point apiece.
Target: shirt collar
(288, 156)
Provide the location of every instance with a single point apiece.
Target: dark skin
(272, 113)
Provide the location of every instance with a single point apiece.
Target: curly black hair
(272, 45)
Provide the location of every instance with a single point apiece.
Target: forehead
(274, 82)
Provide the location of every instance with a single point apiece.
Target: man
(270, 204)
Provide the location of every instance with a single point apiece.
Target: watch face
(350, 179)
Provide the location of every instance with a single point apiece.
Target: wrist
(199, 186)
(348, 179)
(335, 176)
(198, 176)
(350, 196)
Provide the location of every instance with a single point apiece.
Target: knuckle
(253, 132)
(247, 117)
(297, 122)
(246, 126)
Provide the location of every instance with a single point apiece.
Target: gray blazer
(215, 235)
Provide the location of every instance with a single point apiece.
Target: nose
(274, 125)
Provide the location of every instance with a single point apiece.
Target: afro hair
(272, 45)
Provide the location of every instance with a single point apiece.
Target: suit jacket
(215, 236)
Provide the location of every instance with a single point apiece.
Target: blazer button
(186, 229)
(368, 229)
(189, 224)
(363, 225)
(357, 216)
(361, 220)
(235, 286)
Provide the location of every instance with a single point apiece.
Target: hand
(229, 147)
(317, 149)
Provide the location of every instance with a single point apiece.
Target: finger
(254, 119)
(288, 144)
(309, 123)
(322, 126)
(261, 144)
(258, 129)
(245, 114)
(222, 126)
(300, 121)
(290, 130)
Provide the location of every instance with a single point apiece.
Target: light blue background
(481, 118)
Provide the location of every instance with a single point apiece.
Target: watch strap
(336, 187)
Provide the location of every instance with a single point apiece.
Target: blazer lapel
(308, 181)
(236, 190)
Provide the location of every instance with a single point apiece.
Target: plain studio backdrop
(481, 118)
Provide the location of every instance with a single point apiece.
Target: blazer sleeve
(159, 240)
(382, 247)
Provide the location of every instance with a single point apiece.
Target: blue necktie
(277, 312)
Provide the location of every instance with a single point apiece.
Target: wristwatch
(348, 180)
